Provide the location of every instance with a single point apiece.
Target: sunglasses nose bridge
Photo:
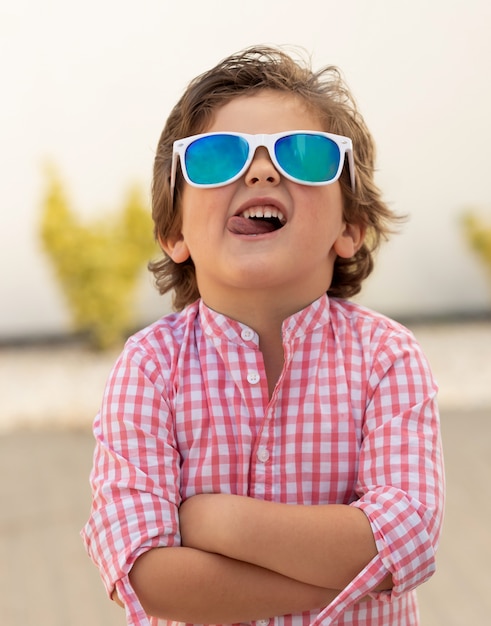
(261, 166)
(261, 147)
(260, 152)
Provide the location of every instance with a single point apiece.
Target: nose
(262, 169)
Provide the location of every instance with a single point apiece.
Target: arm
(324, 545)
(188, 585)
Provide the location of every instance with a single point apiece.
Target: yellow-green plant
(97, 264)
(478, 234)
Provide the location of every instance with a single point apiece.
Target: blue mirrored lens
(215, 159)
(311, 158)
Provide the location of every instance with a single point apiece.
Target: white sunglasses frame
(267, 141)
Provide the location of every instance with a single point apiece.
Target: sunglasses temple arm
(351, 164)
(173, 173)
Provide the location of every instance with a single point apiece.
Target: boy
(270, 452)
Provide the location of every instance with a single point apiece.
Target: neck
(264, 313)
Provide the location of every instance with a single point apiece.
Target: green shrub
(478, 233)
(98, 264)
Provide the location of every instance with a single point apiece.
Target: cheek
(204, 215)
(197, 203)
(324, 206)
(190, 211)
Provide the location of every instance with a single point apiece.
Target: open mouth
(257, 221)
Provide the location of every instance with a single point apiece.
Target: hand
(115, 598)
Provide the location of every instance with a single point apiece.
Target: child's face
(293, 263)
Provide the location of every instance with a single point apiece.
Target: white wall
(89, 85)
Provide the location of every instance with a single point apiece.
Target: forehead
(266, 111)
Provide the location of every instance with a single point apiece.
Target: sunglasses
(303, 156)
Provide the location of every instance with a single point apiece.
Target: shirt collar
(305, 321)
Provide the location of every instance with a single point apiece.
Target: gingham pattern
(353, 420)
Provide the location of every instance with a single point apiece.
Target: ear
(349, 240)
(176, 248)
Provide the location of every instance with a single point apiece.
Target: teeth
(266, 212)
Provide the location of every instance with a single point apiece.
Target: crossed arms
(243, 559)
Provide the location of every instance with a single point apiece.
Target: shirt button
(262, 622)
(263, 456)
(252, 377)
(247, 334)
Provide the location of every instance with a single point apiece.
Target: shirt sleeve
(401, 476)
(135, 476)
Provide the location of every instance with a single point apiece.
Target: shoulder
(383, 348)
(376, 335)
(358, 319)
(162, 341)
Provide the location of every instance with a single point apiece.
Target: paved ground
(45, 577)
(47, 400)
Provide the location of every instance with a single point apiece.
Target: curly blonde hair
(326, 94)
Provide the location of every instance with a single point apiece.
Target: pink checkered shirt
(353, 420)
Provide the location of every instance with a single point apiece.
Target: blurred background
(85, 91)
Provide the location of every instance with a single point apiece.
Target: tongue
(249, 226)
